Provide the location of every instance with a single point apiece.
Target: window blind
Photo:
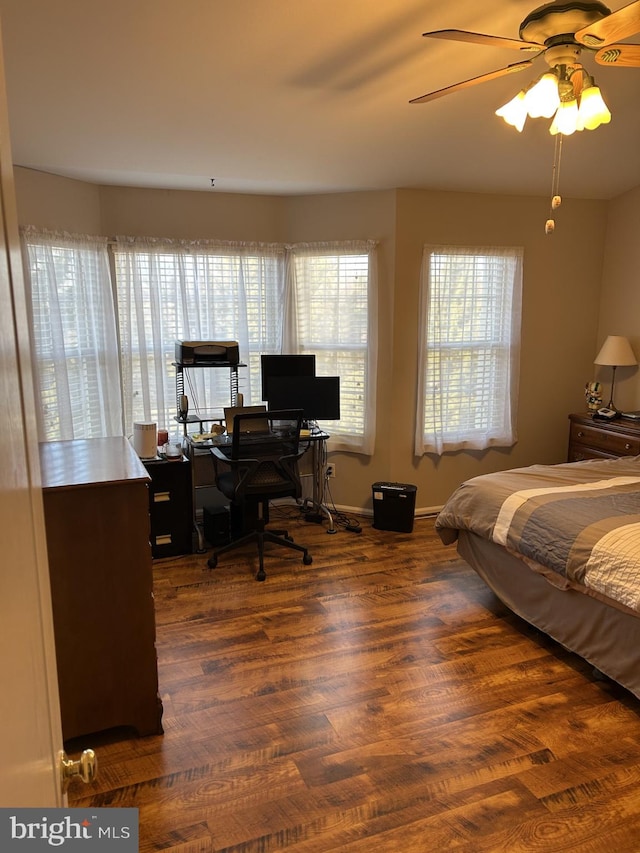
(335, 298)
(470, 338)
(168, 291)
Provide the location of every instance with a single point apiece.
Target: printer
(207, 352)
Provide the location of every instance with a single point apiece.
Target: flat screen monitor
(285, 365)
(317, 396)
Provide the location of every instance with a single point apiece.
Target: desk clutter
(288, 382)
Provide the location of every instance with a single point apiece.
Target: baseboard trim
(366, 512)
(420, 512)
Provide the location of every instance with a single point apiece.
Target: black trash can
(394, 506)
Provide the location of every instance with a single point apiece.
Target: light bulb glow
(514, 112)
(592, 111)
(566, 118)
(542, 100)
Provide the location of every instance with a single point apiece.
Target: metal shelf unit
(201, 472)
(203, 417)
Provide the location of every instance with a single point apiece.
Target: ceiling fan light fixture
(543, 99)
(560, 30)
(592, 111)
(515, 111)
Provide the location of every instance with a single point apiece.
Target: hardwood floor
(381, 699)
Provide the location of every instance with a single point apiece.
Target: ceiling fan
(559, 31)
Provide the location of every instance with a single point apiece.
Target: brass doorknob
(85, 768)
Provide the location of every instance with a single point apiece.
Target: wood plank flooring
(381, 699)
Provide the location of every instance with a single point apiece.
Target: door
(30, 734)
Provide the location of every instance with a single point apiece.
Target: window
(174, 290)
(99, 378)
(335, 317)
(470, 343)
(74, 336)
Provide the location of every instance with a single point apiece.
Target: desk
(199, 452)
(96, 507)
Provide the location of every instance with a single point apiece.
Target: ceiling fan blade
(618, 25)
(481, 38)
(627, 55)
(483, 78)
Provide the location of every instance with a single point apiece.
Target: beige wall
(620, 298)
(60, 204)
(559, 320)
(561, 298)
(192, 215)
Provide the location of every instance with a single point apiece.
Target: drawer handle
(580, 434)
(627, 446)
(164, 539)
(161, 497)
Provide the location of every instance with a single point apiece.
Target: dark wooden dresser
(96, 507)
(596, 439)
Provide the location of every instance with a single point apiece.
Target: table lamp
(616, 352)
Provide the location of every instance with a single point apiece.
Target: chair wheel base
(261, 536)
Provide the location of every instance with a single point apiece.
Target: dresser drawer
(606, 439)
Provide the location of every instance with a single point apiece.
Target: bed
(560, 546)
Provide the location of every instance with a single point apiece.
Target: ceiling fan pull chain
(556, 198)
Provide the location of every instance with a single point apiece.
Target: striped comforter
(579, 522)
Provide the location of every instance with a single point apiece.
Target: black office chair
(260, 464)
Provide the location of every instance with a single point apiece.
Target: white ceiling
(293, 96)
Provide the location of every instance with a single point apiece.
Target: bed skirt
(605, 636)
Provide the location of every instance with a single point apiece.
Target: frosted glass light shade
(542, 100)
(592, 111)
(616, 351)
(566, 118)
(514, 112)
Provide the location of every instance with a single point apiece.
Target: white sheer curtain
(470, 311)
(102, 368)
(332, 312)
(74, 341)
(172, 290)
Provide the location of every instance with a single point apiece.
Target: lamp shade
(592, 111)
(543, 98)
(616, 352)
(515, 112)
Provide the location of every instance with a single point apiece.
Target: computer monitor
(285, 365)
(317, 396)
